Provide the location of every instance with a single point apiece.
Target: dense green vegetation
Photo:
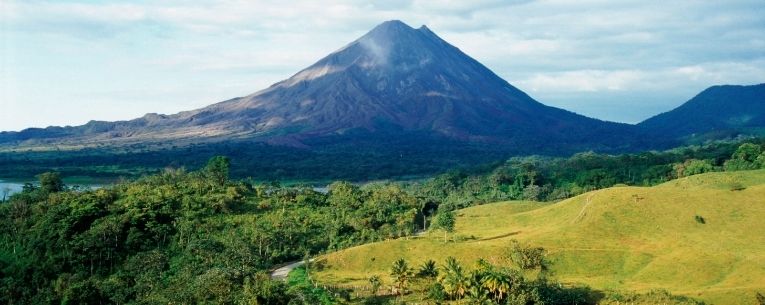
(199, 237)
(551, 179)
(488, 283)
(180, 237)
(355, 158)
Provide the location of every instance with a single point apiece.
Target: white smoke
(379, 52)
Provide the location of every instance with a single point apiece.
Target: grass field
(620, 238)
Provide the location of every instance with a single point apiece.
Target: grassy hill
(620, 238)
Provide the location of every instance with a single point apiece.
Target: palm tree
(428, 269)
(476, 291)
(454, 280)
(401, 274)
(497, 283)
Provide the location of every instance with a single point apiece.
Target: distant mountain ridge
(726, 110)
(393, 80)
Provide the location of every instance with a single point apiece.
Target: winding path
(584, 208)
(282, 272)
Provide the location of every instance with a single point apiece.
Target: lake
(9, 188)
(13, 187)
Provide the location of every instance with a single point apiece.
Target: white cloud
(583, 80)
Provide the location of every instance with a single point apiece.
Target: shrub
(527, 257)
(737, 186)
(375, 282)
(700, 219)
(650, 297)
(436, 292)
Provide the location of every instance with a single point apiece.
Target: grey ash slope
(394, 79)
(719, 111)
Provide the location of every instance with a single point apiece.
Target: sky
(68, 62)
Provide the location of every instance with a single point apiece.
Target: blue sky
(66, 62)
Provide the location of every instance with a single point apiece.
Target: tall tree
(445, 221)
(217, 169)
(50, 182)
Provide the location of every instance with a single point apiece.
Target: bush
(737, 186)
(527, 257)
(436, 292)
(700, 219)
(651, 297)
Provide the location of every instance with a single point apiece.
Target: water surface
(10, 187)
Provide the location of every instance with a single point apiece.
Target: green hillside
(620, 238)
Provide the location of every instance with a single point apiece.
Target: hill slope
(393, 81)
(724, 110)
(625, 238)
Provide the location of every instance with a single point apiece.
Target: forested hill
(716, 112)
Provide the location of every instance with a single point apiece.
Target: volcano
(393, 81)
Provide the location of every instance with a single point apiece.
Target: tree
(445, 221)
(307, 264)
(747, 152)
(497, 283)
(344, 195)
(453, 279)
(532, 192)
(50, 182)
(401, 274)
(692, 167)
(6, 191)
(428, 269)
(375, 283)
(217, 169)
(745, 157)
(760, 161)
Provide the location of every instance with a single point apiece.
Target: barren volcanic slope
(393, 80)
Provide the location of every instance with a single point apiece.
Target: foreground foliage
(180, 237)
